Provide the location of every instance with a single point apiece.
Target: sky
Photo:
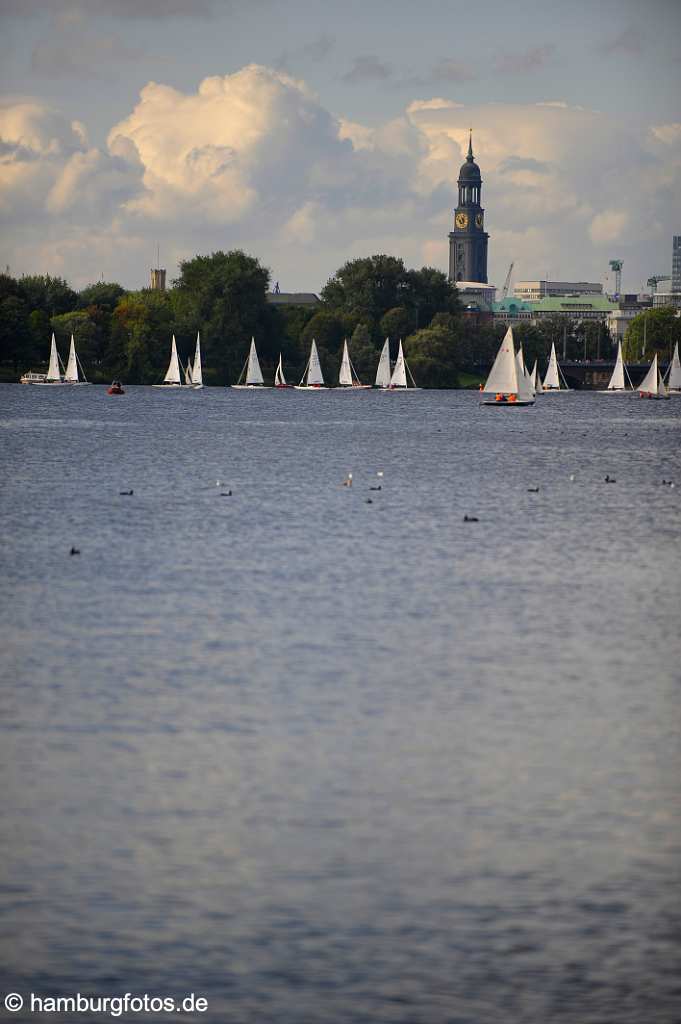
(309, 133)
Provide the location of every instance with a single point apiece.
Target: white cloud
(254, 159)
(608, 226)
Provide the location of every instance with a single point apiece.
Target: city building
(468, 240)
(667, 299)
(627, 308)
(277, 298)
(533, 291)
(676, 264)
(158, 279)
(570, 307)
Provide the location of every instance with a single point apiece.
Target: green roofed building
(572, 307)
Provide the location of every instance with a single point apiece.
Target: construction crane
(617, 265)
(504, 290)
(653, 282)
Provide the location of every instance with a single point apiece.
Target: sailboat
(523, 371)
(53, 377)
(618, 383)
(279, 378)
(196, 371)
(554, 380)
(251, 375)
(347, 378)
(674, 373)
(398, 380)
(383, 371)
(172, 378)
(188, 373)
(506, 384)
(313, 378)
(537, 386)
(71, 376)
(652, 385)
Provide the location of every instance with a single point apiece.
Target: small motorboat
(116, 388)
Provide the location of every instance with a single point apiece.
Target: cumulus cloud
(608, 226)
(254, 159)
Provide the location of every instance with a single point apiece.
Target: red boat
(115, 389)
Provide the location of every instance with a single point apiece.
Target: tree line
(126, 334)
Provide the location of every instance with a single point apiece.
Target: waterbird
(380, 473)
(532, 490)
(572, 476)
(610, 479)
(369, 501)
(74, 551)
(225, 494)
(127, 493)
(470, 519)
(375, 488)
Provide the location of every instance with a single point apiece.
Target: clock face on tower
(478, 220)
(461, 220)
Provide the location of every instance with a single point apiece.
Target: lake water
(320, 759)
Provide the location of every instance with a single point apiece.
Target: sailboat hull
(169, 387)
(507, 401)
(615, 391)
(311, 387)
(250, 387)
(354, 387)
(51, 384)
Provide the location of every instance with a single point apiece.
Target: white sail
(524, 379)
(279, 379)
(552, 380)
(345, 375)
(53, 373)
(197, 369)
(188, 372)
(674, 378)
(661, 386)
(383, 371)
(71, 374)
(173, 374)
(314, 370)
(253, 371)
(617, 381)
(536, 380)
(399, 374)
(649, 383)
(503, 377)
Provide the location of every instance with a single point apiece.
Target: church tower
(468, 240)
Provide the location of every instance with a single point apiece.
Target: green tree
(105, 294)
(141, 328)
(85, 335)
(52, 295)
(326, 328)
(229, 291)
(396, 323)
(368, 287)
(14, 333)
(363, 353)
(653, 331)
(431, 354)
(430, 292)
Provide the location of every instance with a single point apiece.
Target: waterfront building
(569, 307)
(468, 240)
(533, 291)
